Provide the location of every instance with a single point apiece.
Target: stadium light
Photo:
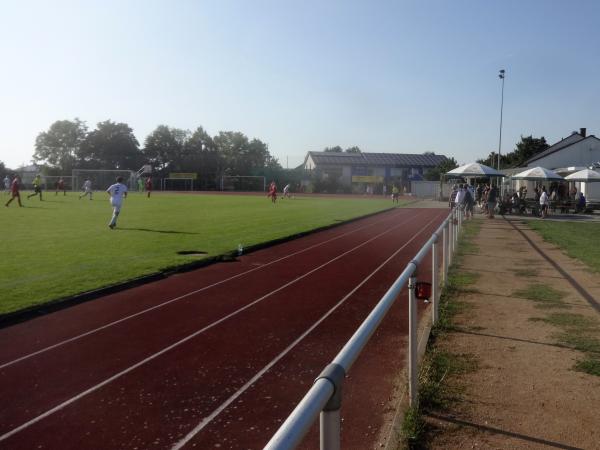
(501, 75)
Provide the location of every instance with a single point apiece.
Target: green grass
(62, 246)
(579, 240)
(525, 273)
(545, 296)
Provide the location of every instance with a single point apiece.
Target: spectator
(492, 196)
(544, 202)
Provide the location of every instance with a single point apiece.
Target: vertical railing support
(413, 374)
(445, 253)
(329, 419)
(434, 280)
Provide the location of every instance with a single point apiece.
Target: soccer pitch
(62, 246)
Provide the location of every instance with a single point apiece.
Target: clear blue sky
(388, 76)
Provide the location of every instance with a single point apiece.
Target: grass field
(579, 240)
(63, 246)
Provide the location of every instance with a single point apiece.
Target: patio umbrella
(474, 170)
(537, 174)
(585, 175)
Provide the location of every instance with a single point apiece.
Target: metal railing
(325, 396)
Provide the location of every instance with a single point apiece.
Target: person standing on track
(148, 185)
(87, 188)
(37, 187)
(117, 192)
(14, 190)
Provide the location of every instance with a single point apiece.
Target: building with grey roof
(360, 170)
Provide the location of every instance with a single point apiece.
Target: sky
(387, 76)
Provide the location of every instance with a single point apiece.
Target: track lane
(214, 342)
(47, 372)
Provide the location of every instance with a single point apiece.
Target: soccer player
(87, 188)
(272, 191)
(148, 185)
(395, 194)
(60, 186)
(14, 189)
(6, 185)
(286, 191)
(117, 191)
(37, 187)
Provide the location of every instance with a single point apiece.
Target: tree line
(69, 144)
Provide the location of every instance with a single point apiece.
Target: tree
(336, 149)
(58, 147)
(354, 149)
(165, 147)
(445, 166)
(240, 155)
(110, 146)
(201, 156)
(526, 148)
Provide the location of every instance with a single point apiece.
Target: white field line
(206, 420)
(187, 338)
(160, 305)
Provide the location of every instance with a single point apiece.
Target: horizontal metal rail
(324, 397)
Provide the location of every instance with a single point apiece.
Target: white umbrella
(474, 170)
(537, 174)
(585, 175)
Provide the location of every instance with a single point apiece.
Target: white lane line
(116, 322)
(206, 420)
(191, 336)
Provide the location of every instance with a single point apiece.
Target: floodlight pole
(501, 75)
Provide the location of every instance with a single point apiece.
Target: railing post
(329, 419)
(413, 385)
(434, 280)
(445, 253)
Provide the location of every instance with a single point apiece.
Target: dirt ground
(524, 393)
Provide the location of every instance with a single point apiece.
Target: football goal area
(102, 179)
(243, 183)
(177, 184)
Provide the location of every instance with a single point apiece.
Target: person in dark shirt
(491, 201)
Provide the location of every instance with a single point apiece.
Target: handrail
(324, 397)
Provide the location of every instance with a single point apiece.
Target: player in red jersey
(60, 186)
(272, 192)
(148, 185)
(14, 190)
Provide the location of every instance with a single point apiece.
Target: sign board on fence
(193, 176)
(367, 179)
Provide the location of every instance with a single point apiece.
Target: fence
(430, 189)
(325, 396)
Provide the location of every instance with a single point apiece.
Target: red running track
(218, 357)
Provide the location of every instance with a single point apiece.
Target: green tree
(58, 147)
(354, 149)
(445, 166)
(111, 146)
(165, 147)
(527, 147)
(201, 157)
(240, 155)
(336, 149)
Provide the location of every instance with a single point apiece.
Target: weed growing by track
(545, 296)
(439, 366)
(580, 333)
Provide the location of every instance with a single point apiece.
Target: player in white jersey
(117, 191)
(286, 191)
(6, 185)
(87, 188)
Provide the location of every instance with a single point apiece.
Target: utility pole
(501, 75)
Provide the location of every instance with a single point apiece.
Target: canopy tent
(537, 174)
(474, 170)
(585, 175)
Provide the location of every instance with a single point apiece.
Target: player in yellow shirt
(37, 187)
